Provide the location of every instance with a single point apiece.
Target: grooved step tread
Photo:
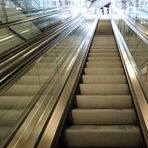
(46, 65)
(103, 136)
(103, 71)
(103, 64)
(103, 116)
(23, 90)
(9, 117)
(103, 46)
(30, 79)
(39, 71)
(4, 131)
(104, 89)
(14, 102)
(103, 59)
(100, 49)
(104, 79)
(103, 101)
(97, 53)
(103, 43)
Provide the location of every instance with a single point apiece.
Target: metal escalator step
(14, 102)
(105, 49)
(103, 116)
(103, 101)
(103, 71)
(104, 79)
(97, 53)
(48, 59)
(140, 51)
(110, 47)
(103, 59)
(46, 65)
(112, 42)
(103, 64)
(9, 117)
(104, 36)
(23, 90)
(29, 79)
(39, 71)
(103, 40)
(56, 51)
(4, 132)
(103, 43)
(57, 54)
(99, 49)
(140, 58)
(103, 136)
(53, 54)
(104, 89)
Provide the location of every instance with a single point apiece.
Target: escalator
(35, 89)
(18, 98)
(103, 112)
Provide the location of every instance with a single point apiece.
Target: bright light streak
(6, 38)
(25, 31)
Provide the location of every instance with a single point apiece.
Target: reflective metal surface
(138, 92)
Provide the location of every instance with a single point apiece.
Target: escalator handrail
(42, 9)
(139, 94)
(21, 21)
(11, 69)
(56, 120)
(13, 51)
(16, 140)
(131, 24)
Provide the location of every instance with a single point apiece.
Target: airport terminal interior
(74, 73)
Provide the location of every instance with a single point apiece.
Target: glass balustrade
(11, 10)
(41, 82)
(139, 15)
(15, 10)
(137, 47)
(136, 10)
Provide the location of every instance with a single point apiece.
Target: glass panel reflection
(137, 47)
(43, 80)
(137, 10)
(15, 10)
